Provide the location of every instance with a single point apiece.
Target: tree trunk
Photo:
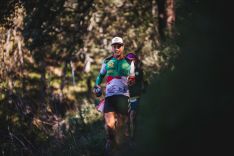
(161, 19)
(166, 12)
(170, 16)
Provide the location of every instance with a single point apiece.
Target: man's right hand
(97, 90)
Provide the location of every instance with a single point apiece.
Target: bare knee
(110, 119)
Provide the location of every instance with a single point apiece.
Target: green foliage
(7, 12)
(42, 110)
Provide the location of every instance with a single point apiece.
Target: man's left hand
(131, 80)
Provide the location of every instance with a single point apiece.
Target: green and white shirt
(117, 73)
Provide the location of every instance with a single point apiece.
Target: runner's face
(117, 49)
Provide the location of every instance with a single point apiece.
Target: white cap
(117, 40)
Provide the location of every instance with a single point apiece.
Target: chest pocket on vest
(124, 69)
(111, 64)
(110, 67)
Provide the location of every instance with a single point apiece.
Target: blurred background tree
(51, 51)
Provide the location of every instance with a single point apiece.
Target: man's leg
(132, 124)
(110, 130)
(122, 116)
(121, 128)
(127, 123)
(110, 124)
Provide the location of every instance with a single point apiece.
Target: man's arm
(99, 79)
(101, 74)
(97, 88)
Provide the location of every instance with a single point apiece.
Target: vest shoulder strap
(106, 60)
